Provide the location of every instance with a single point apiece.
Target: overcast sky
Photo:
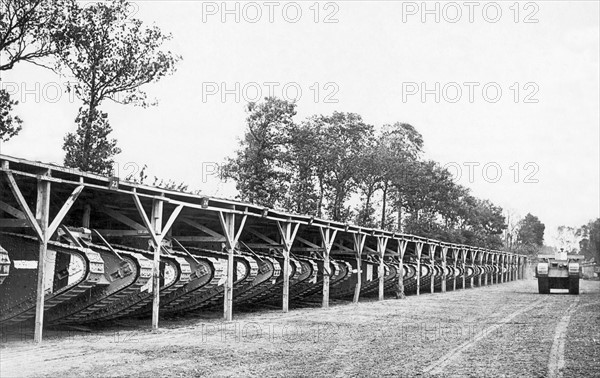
(520, 99)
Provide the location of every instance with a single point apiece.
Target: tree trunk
(384, 205)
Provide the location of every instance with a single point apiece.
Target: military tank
(558, 271)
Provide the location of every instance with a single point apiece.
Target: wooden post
(501, 266)
(381, 246)
(157, 233)
(455, 258)
(328, 237)
(419, 250)
(359, 244)
(231, 239)
(402, 244)
(287, 236)
(464, 266)
(432, 248)
(484, 262)
(42, 216)
(43, 230)
(444, 275)
(473, 265)
(87, 212)
(156, 224)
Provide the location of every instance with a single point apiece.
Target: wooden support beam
(432, 248)
(344, 248)
(464, 266)
(231, 239)
(473, 254)
(63, 211)
(455, 258)
(12, 210)
(402, 244)
(87, 213)
(381, 246)
(359, 244)
(203, 228)
(42, 216)
(484, 262)
(157, 233)
(287, 231)
(418, 275)
(124, 218)
(444, 275)
(264, 237)
(480, 256)
(308, 243)
(499, 268)
(13, 223)
(328, 238)
(24, 206)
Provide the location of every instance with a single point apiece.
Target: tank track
(175, 272)
(207, 298)
(126, 278)
(201, 282)
(87, 263)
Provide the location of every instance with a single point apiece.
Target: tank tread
(140, 275)
(218, 267)
(90, 261)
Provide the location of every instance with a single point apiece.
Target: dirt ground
(502, 330)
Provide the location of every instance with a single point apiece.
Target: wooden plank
(63, 211)
(202, 228)
(42, 215)
(156, 228)
(124, 218)
(12, 210)
(419, 251)
(444, 275)
(381, 245)
(24, 206)
(432, 248)
(328, 238)
(149, 226)
(308, 243)
(359, 245)
(13, 223)
(287, 236)
(263, 236)
(170, 221)
(402, 244)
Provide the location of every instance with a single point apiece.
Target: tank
(558, 271)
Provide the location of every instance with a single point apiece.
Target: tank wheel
(574, 285)
(543, 285)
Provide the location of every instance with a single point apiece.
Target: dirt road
(501, 330)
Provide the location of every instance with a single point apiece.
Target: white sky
(371, 56)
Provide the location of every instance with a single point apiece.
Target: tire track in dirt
(556, 361)
(438, 366)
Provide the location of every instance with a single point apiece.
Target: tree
(90, 149)
(110, 55)
(341, 141)
(258, 167)
(28, 32)
(29, 29)
(530, 237)
(400, 147)
(9, 125)
(590, 239)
